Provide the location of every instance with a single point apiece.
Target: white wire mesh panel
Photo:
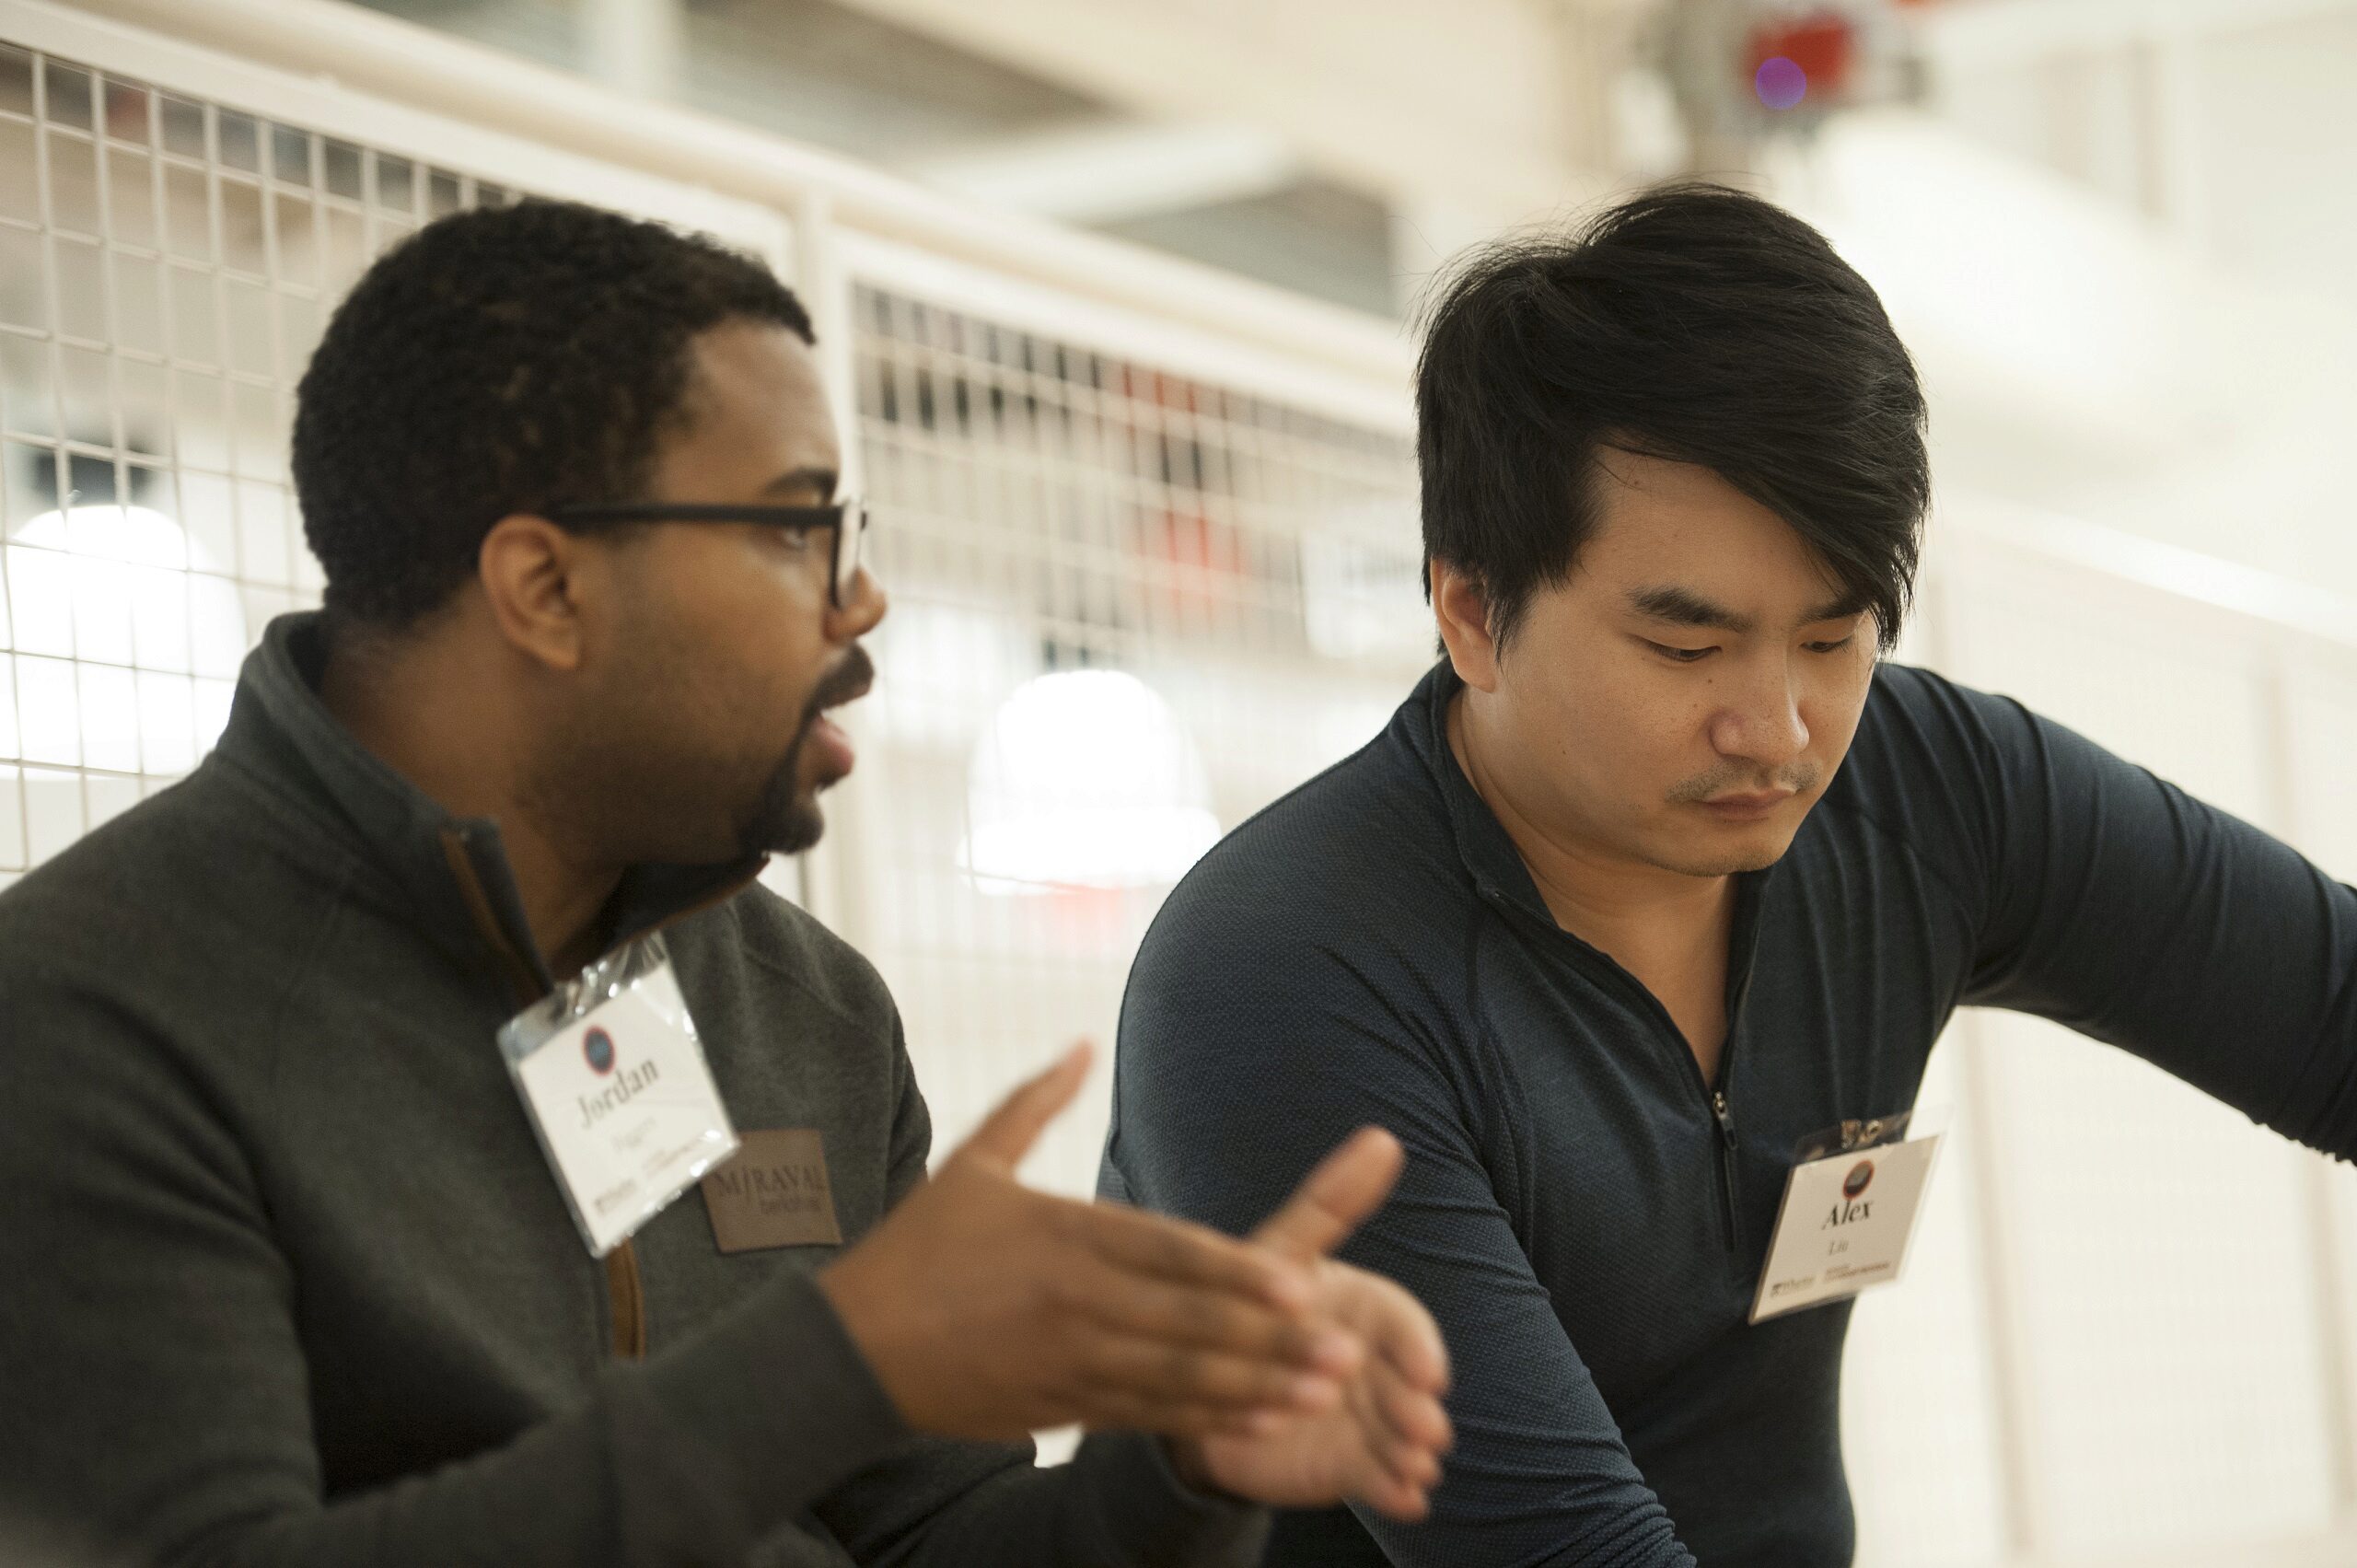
(2164, 1248)
(166, 267)
(1129, 608)
(2320, 730)
(1921, 1431)
(1919, 1394)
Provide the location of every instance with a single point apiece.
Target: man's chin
(1724, 859)
(788, 826)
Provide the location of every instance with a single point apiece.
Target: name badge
(619, 1091)
(1849, 1215)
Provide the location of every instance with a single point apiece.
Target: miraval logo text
(628, 1084)
(777, 1190)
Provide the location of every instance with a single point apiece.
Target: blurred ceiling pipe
(415, 66)
(635, 46)
(1482, 112)
(1992, 31)
(1116, 171)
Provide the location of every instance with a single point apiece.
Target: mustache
(848, 679)
(1800, 782)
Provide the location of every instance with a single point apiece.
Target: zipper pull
(1726, 1118)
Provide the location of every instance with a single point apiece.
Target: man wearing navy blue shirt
(1662, 871)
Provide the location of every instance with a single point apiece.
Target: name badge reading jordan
(619, 1092)
(1849, 1215)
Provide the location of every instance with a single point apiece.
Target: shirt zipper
(1714, 1096)
(625, 1291)
(1727, 1158)
(1714, 1100)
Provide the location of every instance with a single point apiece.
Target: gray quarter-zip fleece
(285, 1279)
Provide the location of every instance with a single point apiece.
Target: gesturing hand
(1382, 1441)
(989, 1310)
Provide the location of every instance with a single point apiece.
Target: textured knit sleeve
(158, 1405)
(1246, 1053)
(948, 1505)
(2114, 904)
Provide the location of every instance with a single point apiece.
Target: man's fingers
(1406, 1337)
(1394, 1499)
(1181, 1375)
(1348, 1185)
(1152, 1309)
(1188, 1254)
(1416, 1419)
(1008, 1132)
(1115, 1409)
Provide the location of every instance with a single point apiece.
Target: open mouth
(847, 683)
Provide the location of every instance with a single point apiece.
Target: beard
(635, 775)
(784, 817)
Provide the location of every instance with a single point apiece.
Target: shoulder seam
(337, 900)
(755, 955)
(1885, 830)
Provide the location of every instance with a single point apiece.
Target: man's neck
(460, 754)
(1621, 905)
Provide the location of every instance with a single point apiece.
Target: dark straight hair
(1691, 322)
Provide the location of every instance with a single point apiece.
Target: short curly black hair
(1692, 322)
(501, 360)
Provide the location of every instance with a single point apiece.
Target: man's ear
(530, 571)
(1462, 607)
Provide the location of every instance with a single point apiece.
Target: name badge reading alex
(1849, 1215)
(619, 1092)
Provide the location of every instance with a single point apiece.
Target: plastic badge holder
(1851, 1169)
(618, 1091)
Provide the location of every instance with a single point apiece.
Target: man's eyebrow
(1848, 606)
(1683, 607)
(821, 479)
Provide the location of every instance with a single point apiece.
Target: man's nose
(863, 605)
(1763, 723)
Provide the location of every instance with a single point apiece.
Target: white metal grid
(1044, 505)
(2165, 1323)
(167, 265)
(168, 262)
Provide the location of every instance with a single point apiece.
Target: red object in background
(1822, 43)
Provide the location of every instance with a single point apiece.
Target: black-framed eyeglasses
(847, 518)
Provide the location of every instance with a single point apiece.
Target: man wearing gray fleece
(285, 1275)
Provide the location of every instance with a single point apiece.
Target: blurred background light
(112, 610)
(1780, 83)
(1085, 778)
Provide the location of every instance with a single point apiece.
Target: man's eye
(1681, 656)
(1833, 648)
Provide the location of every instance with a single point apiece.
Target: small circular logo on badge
(1855, 1182)
(597, 1047)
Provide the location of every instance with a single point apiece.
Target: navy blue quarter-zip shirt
(1584, 1215)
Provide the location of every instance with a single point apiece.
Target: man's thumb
(1008, 1132)
(1348, 1185)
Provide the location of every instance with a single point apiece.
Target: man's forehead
(1737, 567)
(755, 402)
